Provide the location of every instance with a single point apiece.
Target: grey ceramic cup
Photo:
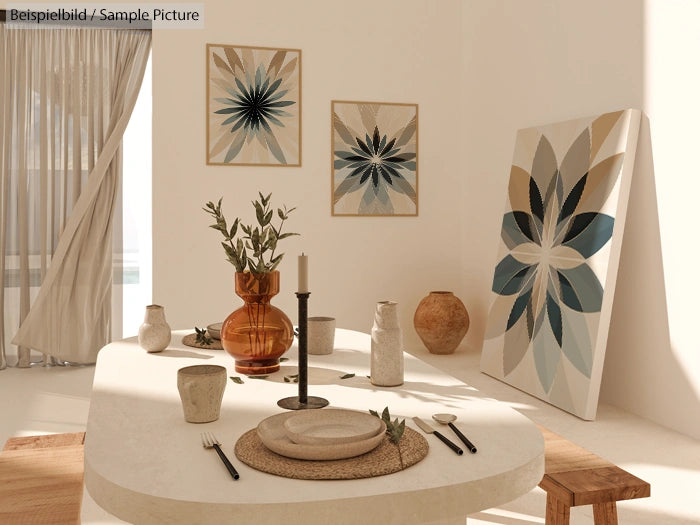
(320, 335)
(201, 390)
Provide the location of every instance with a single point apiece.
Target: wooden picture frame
(253, 106)
(374, 159)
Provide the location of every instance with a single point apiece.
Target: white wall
(654, 367)
(393, 51)
(534, 62)
(479, 71)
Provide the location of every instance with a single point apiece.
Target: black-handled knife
(430, 430)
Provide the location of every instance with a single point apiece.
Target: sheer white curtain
(66, 95)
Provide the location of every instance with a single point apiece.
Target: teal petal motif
(511, 233)
(554, 315)
(518, 308)
(527, 226)
(547, 355)
(509, 276)
(577, 343)
(589, 232)
(580, 289)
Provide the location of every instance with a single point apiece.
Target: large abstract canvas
(561, 235)
(374, 158)
(253, 106)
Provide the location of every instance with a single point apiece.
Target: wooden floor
(41, 480)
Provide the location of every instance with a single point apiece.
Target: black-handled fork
(210, 441)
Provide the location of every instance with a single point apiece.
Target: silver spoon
(447, 419)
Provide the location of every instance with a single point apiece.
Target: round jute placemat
(191, 340)
(385, 459)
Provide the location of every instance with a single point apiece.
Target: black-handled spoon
(447, 419)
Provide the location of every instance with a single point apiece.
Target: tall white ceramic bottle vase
(154, 333)
(387, 346)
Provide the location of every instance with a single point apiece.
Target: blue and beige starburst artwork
(253, 113)
(545, 330)
(375, 148)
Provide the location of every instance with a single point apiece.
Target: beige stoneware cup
(320, 333)
(201, 390)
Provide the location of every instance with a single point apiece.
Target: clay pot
(441, 321)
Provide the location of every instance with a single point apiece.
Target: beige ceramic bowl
(331, 426)
(272, 433)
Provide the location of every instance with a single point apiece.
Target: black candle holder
(303, 401)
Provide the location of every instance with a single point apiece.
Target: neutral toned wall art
(253, 106)
(561, 236)
(374, 158)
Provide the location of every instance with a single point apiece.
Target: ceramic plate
(331, 426)
(215, 330)
(273, 435)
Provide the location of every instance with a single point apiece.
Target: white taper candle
(303, 273)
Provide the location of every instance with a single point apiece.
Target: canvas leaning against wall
(561, 236)
(374, 158)
(253, 106)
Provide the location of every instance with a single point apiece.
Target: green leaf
(236, 380)
(258, 377)
(394, 429)
(385, 416)
(348, 376)
(283, 359)
(259, 213)
(234, 229)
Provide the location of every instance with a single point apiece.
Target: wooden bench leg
(605, 513)
(557, 512)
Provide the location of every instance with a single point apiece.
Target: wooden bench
(41, 479)
(574, 476)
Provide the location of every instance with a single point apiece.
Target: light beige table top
(145, 464)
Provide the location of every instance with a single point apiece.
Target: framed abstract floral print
(561, 236)
(253, 106)
(374, 158)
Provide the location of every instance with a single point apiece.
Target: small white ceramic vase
(154, 333)
(387, 346)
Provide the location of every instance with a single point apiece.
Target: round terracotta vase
(257, 334)
(441, 321)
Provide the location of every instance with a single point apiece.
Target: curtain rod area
(94, 24)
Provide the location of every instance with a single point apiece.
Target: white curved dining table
(145, 464)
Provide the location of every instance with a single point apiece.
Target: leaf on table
(294, 378)
(236, 380)
(347, 376)
(258, 377)
(394, 429)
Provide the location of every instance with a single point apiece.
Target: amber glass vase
(257, 334)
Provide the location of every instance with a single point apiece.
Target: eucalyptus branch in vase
(253, 247)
